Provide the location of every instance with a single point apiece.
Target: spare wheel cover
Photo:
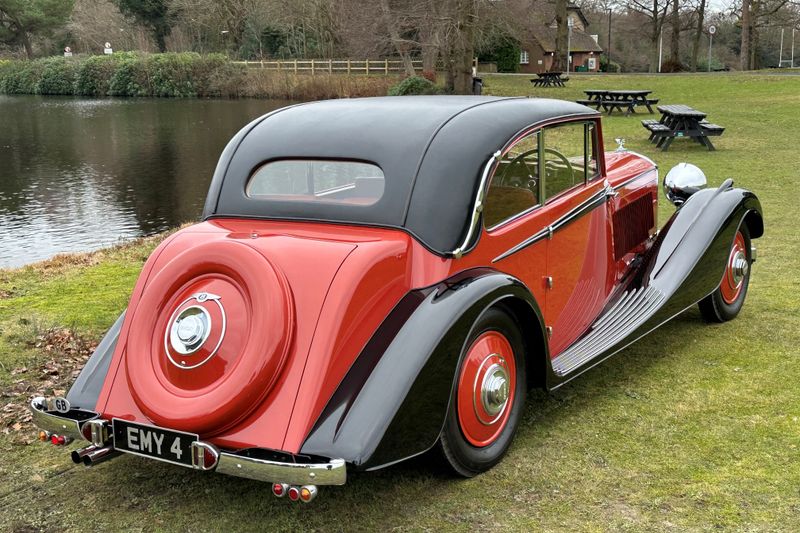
(209, 337)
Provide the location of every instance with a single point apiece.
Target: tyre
(488, 397)
(726, 301)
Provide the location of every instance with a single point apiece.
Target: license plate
(154, 442)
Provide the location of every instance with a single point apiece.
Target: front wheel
(726, 301)
(488, 397)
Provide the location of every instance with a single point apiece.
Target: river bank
(177, 75)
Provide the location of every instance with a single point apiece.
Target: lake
(80, 174)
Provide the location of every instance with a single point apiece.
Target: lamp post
(608, 48)
(793, 29)
(780, 54)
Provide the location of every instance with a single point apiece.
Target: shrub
(414, 85)
(673, 66)
(129, 78)
(95, 73)
(58, 76)
(21, 77)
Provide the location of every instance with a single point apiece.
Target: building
(539, 44)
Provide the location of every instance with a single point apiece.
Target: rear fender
(392, 403)
(86, 389)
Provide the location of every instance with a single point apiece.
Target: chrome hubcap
(740, 266)
(190, 330)
(494, 389)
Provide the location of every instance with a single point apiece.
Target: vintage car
(374, 278)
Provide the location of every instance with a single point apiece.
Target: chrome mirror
(683, 181)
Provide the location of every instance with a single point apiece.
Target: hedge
(125, 74)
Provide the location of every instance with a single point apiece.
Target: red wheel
(736, 270)
(488, 395)
(486, 388)
(726, 301)
(209, 337)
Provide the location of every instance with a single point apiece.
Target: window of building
(524, 59)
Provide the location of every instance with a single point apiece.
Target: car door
(579, 261)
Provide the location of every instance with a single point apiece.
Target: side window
(591, 147)
(515, 185)
(568, 157)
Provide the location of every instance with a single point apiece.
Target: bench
(711, 129)
(586, 102)
(622, 105)
(656, 129)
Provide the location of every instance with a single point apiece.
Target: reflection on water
(79, 174)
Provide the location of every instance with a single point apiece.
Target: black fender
(391, 405)
(84, 392)
(685, 264)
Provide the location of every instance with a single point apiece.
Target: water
(79, 174)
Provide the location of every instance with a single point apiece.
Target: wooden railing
(334, 66)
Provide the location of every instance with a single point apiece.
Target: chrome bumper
(331, 473)
(68, 424)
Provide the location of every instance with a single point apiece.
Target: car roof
(431, 149)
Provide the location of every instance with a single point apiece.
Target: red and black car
(373, 278)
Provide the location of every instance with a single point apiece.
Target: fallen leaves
(63, 353)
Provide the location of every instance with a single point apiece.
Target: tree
(675, 22)
(155, 15)
(561, 54)
(656, 11)
(747, 27)
(20, 19)
(698, 31)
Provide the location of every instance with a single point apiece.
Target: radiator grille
(632, 224)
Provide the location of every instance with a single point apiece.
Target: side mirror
(683, 181)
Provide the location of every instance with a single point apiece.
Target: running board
(631, 311)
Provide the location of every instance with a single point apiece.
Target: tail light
(294, 493)
(308, 493)
(280, 489)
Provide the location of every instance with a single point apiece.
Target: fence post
(348, 66)
(295, 65)
(366, 67)
(386, 67)
(330, 66)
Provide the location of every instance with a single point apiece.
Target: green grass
(696, 427)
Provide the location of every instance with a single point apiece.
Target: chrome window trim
(478, 206)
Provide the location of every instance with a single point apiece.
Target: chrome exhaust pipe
(78, 455)
(99, 455)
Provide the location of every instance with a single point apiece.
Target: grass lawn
(696, 427)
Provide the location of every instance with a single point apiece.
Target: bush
(414, 85)
(58, 76)
(94, 74)
(673, 66)
(125, 74)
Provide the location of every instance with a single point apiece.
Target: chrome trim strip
(478, 207)
(332, 473)
(588, 205)
(60, 424)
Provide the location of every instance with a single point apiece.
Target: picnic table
(681, 121)
(549, 79)
(623, 100)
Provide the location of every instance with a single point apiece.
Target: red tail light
(280, 489)
(294, 493)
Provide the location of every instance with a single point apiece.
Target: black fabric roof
(432, 150)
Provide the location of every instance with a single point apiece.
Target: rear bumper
(70, 424)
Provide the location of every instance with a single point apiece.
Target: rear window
(305, 180)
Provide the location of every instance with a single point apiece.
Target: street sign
(107, 50)
(712, 30)
(67, 52)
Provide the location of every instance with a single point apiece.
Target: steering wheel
(516, 180)
(564, 160)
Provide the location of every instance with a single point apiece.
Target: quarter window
(515, 185)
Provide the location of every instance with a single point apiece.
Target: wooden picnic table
(681, 121)
(549, 79)
(623, 100)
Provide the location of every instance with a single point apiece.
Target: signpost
(107, 50)
(711, 31)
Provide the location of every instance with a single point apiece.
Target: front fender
(392, 403)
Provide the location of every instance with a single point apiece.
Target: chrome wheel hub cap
(740, 266)
(494, 389)
(190, 330)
